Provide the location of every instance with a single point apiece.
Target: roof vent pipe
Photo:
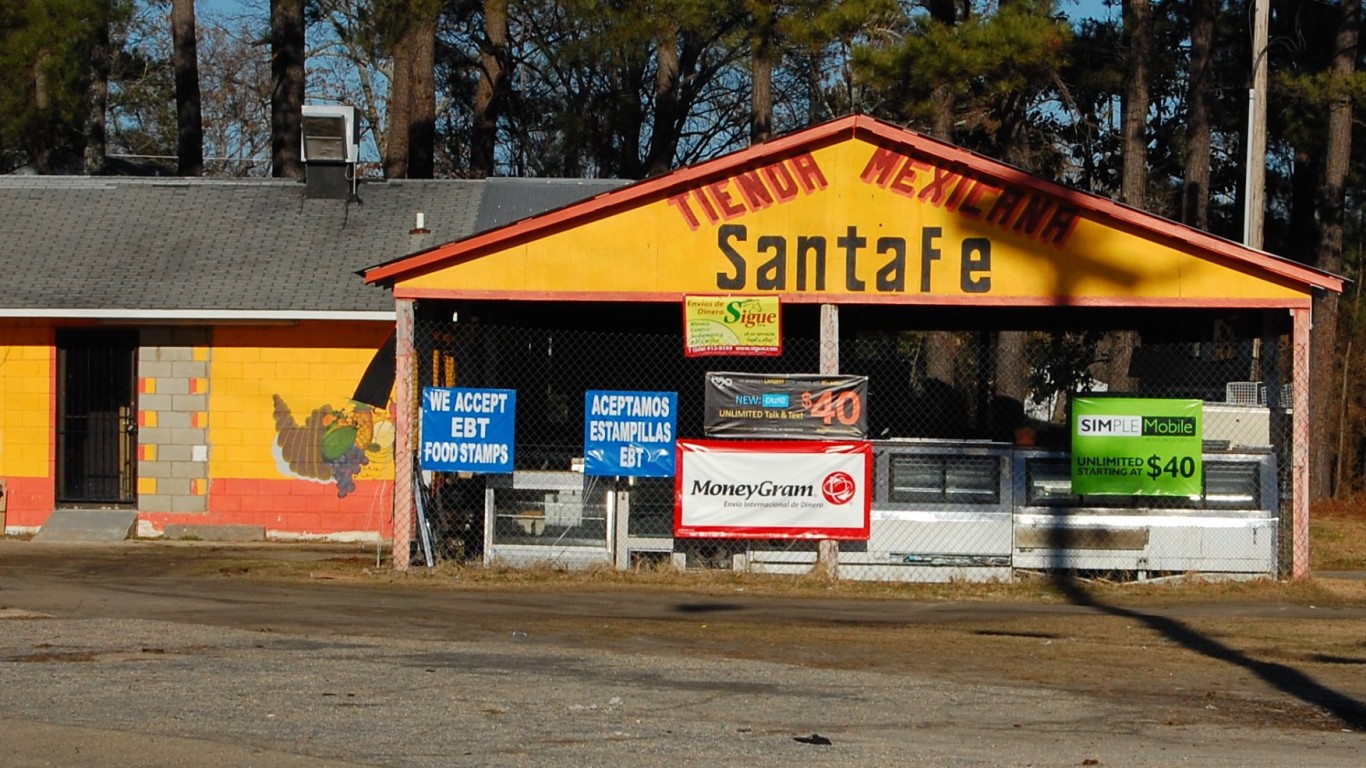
(421, 228)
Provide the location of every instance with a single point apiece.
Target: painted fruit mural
(334, 445)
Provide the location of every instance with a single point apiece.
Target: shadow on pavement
(1284, 678)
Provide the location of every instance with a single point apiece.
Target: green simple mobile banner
(1136, 446)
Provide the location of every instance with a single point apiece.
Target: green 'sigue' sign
(1136, 447)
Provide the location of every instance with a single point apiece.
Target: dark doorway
(96, 417)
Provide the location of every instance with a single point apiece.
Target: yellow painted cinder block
(21, 402)
(26, 373)
(36, 378)
(37, 419)
(249, 354)
(34, 454)
(147, 385)
(29, 354)
(224, 370)
(231, 454)
(265, 380)
(227, 436)
(201, 354)
(288, 372)
(147, 419)
(233, 402)
(147, 486)
(331, 373)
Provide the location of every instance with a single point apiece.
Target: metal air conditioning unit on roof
(329, 134)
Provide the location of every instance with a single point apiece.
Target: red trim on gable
(851, 127)
(609, 201)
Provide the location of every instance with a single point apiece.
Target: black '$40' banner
(803, 406)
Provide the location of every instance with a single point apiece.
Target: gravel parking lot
(138, 655)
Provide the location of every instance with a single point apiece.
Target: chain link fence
(970, 428)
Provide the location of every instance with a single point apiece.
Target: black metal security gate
(96, 417)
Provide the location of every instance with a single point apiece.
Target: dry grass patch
(1337, 535)
(1338, 530)
(362, 569)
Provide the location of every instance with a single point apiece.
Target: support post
(404, 429)
(1253, 207)
(830, 339)
(828, 550)
(1299, 482)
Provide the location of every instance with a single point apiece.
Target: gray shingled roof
(105, 243)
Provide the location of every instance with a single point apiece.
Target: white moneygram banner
(773, 489)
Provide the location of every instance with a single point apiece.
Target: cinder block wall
(27, 371)
(173, 413)
(280, 403)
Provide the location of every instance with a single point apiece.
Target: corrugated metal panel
(509, 200)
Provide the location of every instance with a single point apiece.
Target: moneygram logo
(838, 488)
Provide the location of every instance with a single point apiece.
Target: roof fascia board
(572, 297)
(190, 315)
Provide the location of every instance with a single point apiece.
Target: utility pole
(1254, 207)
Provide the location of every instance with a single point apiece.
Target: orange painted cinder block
(350, 521)
(225, 517)
(224, 503)
(255, 514)
(298, 506)
(29, 501)
(310, 490)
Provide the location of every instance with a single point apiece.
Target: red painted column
(404, 428)
(1299, 483)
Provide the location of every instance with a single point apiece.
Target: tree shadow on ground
(1287, 679)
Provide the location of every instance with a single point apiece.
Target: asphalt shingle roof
(113, 243)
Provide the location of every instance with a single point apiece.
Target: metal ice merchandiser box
(557, 517)
(1231, 527)
(941, 510)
